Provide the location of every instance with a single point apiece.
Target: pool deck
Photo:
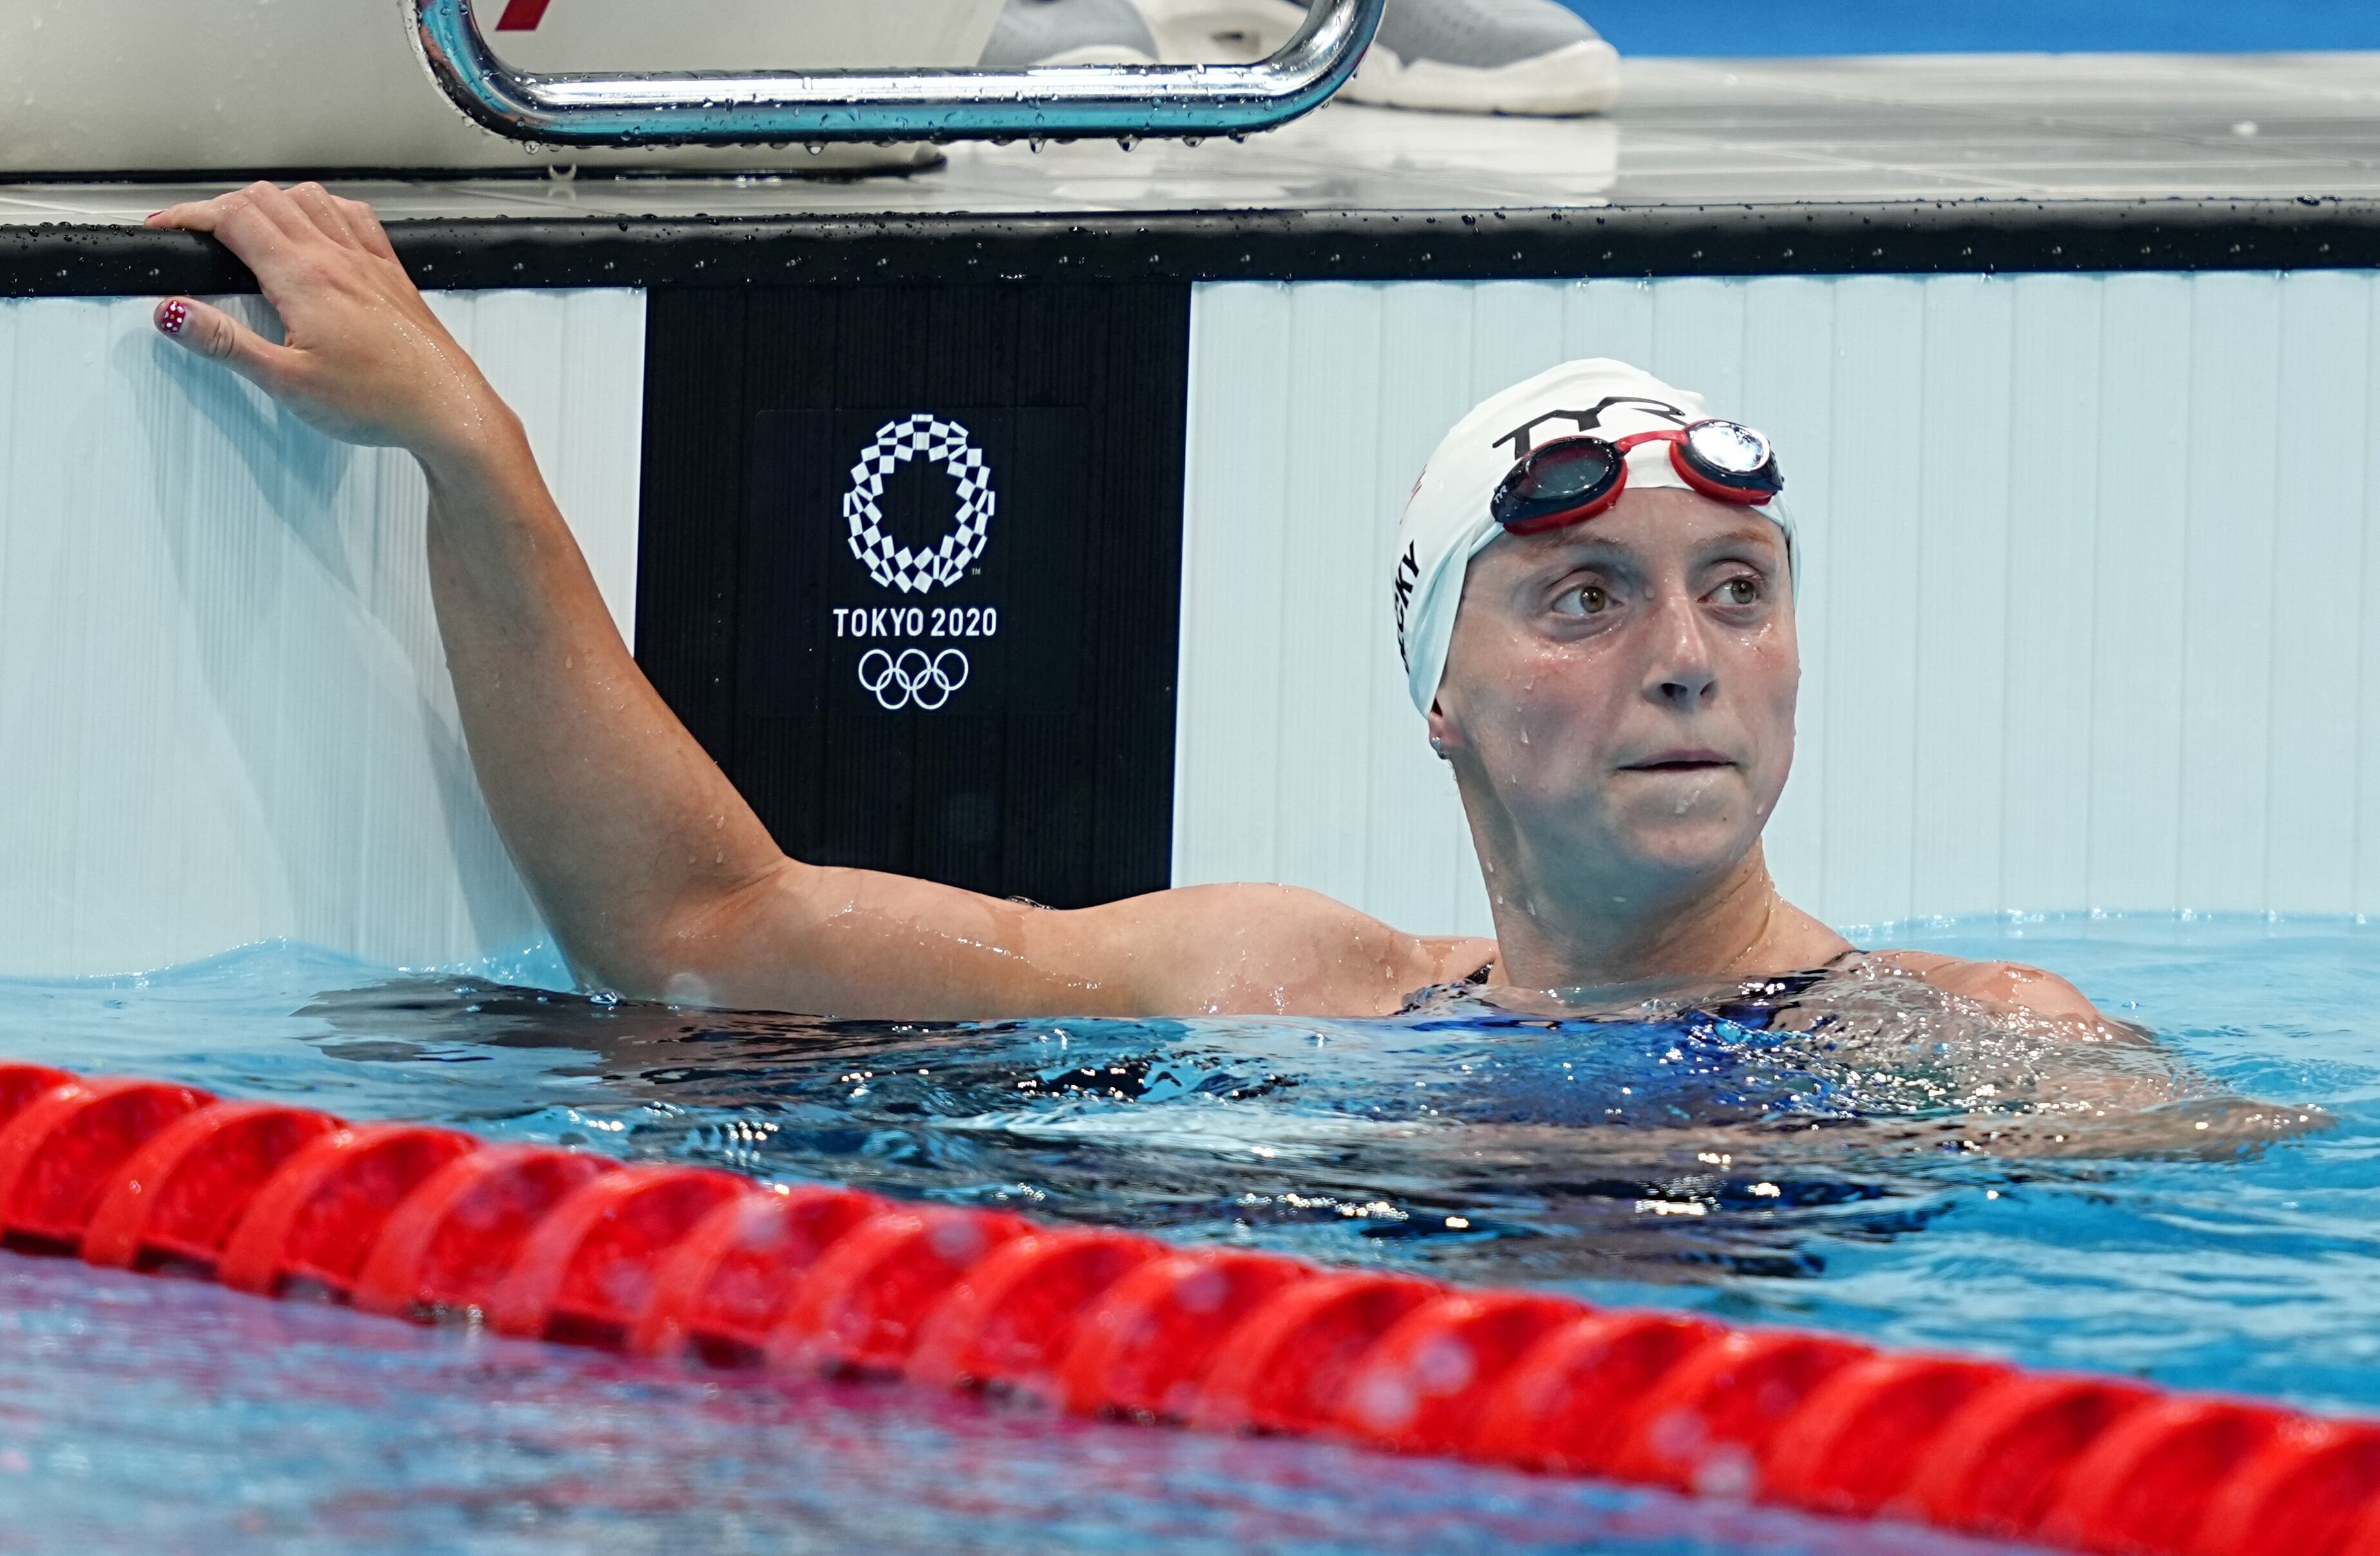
(2180, 153)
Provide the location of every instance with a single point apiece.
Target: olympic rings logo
(912, 679)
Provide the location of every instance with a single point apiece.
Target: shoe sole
(1580, 78)
(1219, 31)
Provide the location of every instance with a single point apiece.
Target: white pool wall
(224, 714)
(2088, 623)
(2091, 619)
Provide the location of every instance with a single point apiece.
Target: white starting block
(157, 87)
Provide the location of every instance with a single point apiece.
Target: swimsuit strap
(1780, 992)
(1760, 1001)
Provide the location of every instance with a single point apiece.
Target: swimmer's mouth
(1679, 762)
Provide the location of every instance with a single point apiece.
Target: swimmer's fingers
(209, 331)
(264, 226)
(326, 212)
(192, 215)
(283, 240)
(347, 222)
(368, 230)
(250, 218)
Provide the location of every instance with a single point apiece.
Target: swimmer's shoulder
(2011, 985)
(1456, 958)
(1249, 948)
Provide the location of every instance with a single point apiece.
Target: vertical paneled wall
(224, 715)
(2091, 618)
(1042, 765)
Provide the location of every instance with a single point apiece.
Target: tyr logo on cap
(1522, 437)
(1408, 574)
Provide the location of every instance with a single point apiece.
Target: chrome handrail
(1055, 103)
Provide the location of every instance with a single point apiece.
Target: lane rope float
(673, 1260)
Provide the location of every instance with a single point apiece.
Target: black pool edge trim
(1972, 237)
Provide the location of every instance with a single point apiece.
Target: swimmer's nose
(1684, 676)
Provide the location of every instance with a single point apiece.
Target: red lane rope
(566, 1246)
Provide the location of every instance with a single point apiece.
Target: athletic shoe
(1032, 32)
(1465, 56)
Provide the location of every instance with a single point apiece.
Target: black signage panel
(917, 563)
(910, 569)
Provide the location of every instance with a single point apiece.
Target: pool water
(1862, 1160)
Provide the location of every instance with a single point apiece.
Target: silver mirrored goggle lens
(1729, 448)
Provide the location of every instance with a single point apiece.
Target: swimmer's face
(1618, 694)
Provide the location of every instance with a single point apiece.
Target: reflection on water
(153, 1415)
(1854, 1153)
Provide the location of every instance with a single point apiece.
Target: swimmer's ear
(209, 331)
(1444, 739)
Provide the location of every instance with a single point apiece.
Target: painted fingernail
(172, 315)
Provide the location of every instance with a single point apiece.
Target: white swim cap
(1447, 522)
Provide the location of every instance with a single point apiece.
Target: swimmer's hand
(364, 360)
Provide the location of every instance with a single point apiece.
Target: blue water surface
(1706, 1160)
(1738, 28)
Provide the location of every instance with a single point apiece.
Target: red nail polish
(172, 316)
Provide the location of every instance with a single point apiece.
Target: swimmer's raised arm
(657, 878)
(1598, 635)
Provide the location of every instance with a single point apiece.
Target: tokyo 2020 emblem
(946, 562)
(905, 676)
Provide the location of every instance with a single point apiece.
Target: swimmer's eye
(1586, 600)
(1742, 589)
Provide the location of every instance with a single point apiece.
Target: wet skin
(1618, 707)
(1619, 711)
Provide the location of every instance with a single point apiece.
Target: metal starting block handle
(1056, 103)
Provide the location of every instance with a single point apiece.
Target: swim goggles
(1575, 478)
